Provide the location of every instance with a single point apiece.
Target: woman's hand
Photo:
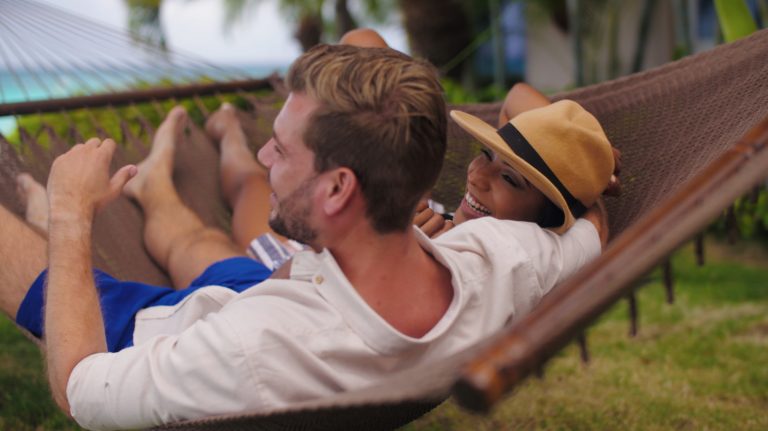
(614, 185)
(430, 222)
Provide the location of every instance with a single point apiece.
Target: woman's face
(496, 189)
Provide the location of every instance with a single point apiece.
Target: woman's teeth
(475, 205)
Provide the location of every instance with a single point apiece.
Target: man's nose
(266, 154)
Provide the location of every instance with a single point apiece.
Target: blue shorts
(122, 300)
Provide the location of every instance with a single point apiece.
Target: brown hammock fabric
(693, 136)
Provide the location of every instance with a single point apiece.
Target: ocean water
(20, 86)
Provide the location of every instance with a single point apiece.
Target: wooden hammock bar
(132, 97)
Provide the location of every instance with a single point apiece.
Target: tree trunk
(344, 20)
(309, 31)
(437, 30)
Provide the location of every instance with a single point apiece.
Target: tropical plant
(312, 18)
(735, 19)
(144, 23)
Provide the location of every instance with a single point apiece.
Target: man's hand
(430, 222)
(79, 182)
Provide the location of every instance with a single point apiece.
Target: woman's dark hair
(550, 215)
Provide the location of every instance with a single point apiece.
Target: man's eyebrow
(278, 142)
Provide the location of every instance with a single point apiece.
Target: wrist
(75, 223)
(68, 212)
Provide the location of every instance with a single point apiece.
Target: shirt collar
(322, 270)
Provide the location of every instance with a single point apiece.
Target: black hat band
(525, 151)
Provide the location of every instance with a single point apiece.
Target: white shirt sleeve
(556, 257)
(197, 373)
(519, 262)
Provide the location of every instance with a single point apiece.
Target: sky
(196, 27)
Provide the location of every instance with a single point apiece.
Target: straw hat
(561, 149)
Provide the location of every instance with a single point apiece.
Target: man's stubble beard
(291, 219)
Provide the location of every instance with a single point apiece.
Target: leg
(23, 253)
(243, 180)
(35, 200)
(174, 235)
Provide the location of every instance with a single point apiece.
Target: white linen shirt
(285, 341)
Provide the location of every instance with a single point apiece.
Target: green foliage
(25, 402)
(457, 94)
(144, 22)
(119, 122)
(735, 19)
(748, 216)
(377, 11)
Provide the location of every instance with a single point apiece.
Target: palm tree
(144, 22)
(311, 24)
(438, 30)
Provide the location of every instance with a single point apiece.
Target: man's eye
(488, 154)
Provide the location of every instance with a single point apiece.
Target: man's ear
(340, 188)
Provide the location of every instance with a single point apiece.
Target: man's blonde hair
(382, 115)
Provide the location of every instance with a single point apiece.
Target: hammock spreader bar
(133, 96)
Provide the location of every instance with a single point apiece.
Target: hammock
(693, 134)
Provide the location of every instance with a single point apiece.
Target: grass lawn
(701, 363)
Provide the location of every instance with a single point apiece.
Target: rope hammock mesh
(692, 133)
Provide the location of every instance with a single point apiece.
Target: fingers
(433, 226)
(422, 205)
(81, 178)
(121, 177)
(448, 225)
(422, 215)
(614, 187)
(616, 161)
(614, 184)
(116, 184)
(107, 145)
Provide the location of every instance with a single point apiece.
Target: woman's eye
(487, 153)
(512, 181)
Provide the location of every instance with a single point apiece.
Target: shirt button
(319, 279)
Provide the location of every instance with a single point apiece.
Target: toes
(177, 112)
(220, 121)
(175, 117)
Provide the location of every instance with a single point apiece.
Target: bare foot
(158, 166)
(35, 200)
(237, 163)
(222, 122)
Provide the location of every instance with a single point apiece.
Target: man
(358, 142)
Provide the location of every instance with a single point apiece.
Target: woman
(495, 187)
